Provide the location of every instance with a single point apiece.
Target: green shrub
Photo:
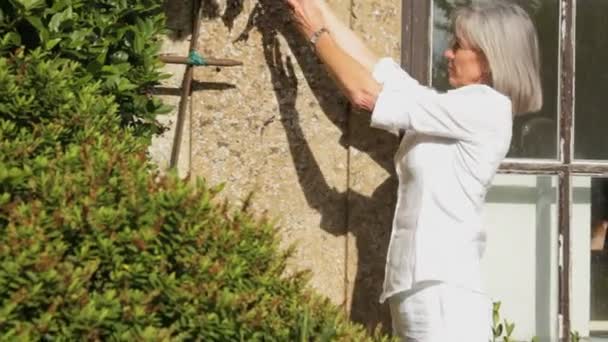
(96, 245)
(100, 251)
(115, 40)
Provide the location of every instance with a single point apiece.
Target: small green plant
(501, 330)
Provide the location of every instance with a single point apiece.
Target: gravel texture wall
(277, 127)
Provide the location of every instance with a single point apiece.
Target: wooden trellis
(194, 59)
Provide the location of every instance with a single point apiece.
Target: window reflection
(599, 249)
(591, 119)
(589, 258)
(534, 134)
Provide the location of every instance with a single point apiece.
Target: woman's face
(465, 64)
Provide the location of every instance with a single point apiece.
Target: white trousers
(438, 312)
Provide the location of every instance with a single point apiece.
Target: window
(520, 265)
(589, 296)
(535, 134)
(552, 173)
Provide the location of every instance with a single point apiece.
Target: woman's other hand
(307, 15)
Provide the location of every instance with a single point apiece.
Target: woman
(453, 145)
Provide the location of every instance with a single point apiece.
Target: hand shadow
(271, 17)
(368, 217)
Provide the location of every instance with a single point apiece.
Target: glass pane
(589, 302)
(534, 134)
(590, 138)
(520, 266)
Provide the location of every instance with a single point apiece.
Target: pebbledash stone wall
(278, 127)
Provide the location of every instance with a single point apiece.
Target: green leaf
(60, 5)
(94, 67)
(125, 85)
(509, 328)
(4, 198)
(102, 55)
(78, 38)
(119, 57)
(11, 39)
(51, 43)
(138, 43)
(164, 109)
(29, 5)
(498, 331)
(59, 18)
(43, 33)
(496, 314)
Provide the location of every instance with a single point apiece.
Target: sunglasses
(456, 44)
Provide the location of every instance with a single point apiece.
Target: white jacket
(452, 148)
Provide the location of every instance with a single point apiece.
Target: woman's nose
(449, 54)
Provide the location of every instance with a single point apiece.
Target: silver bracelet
(317, 34)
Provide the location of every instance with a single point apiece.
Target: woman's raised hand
(307, 15)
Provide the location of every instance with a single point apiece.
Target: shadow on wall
(367, 218)
(179, 14)
(178, 18)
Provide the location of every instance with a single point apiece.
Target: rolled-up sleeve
(404, 104)
(389, 112)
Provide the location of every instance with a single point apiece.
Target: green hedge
(95, 244)
(116, 42)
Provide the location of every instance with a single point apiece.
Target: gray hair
(506, 36)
